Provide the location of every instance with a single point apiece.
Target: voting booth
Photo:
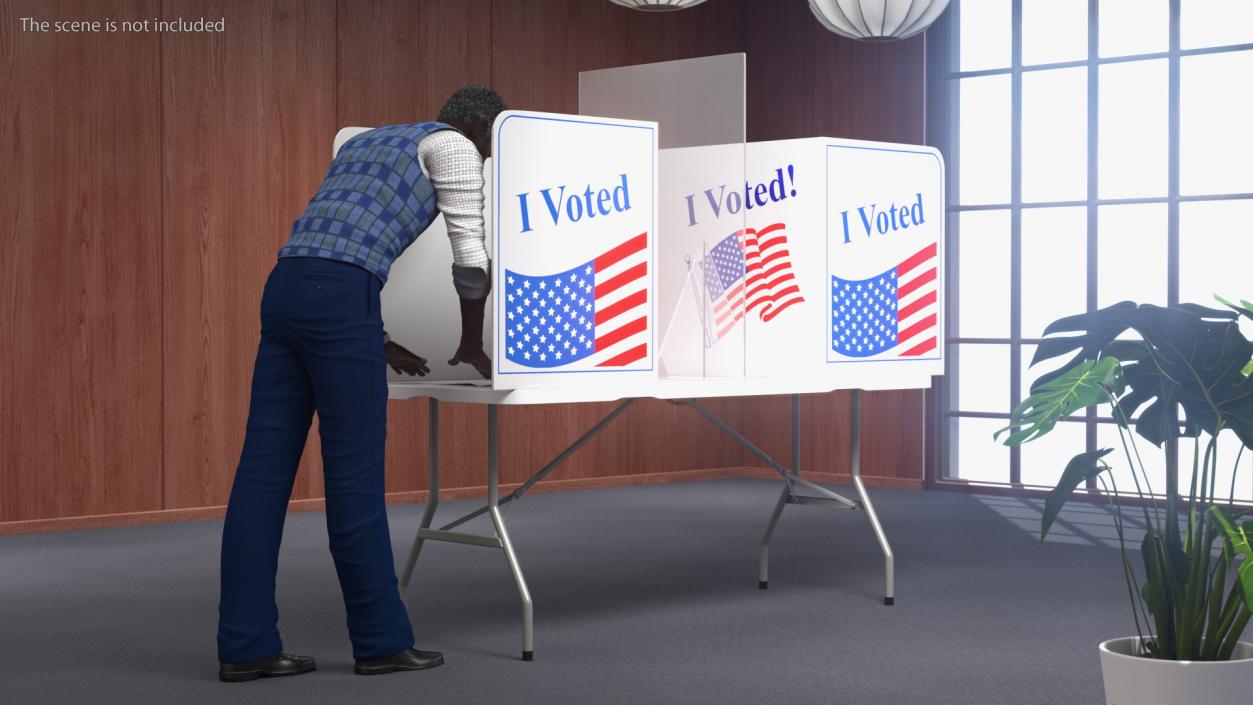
(824, 263)
(574, 244)
(643, 249)
(818, 259)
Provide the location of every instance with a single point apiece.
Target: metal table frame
(821, 497)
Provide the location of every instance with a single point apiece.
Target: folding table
(796, 489)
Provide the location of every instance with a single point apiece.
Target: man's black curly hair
(471, 104)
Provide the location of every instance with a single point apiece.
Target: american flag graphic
(596, 312)
(748, 270)
(894, 312)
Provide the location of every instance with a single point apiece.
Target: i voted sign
(574, 230)
(876, 218)
(884, 253)
(576, 206)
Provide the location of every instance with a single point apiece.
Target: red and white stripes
(621, 324)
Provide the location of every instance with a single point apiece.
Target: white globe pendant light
(657, 5)
(877, 19)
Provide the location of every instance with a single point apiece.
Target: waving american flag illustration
(596, 313)
(749, 270)
(893, 314)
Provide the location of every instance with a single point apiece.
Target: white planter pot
(1136, 680)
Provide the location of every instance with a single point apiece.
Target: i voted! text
(720, 200)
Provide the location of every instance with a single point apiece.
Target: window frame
(944, 75)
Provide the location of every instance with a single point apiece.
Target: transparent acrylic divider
(783, 245)
(699, 255)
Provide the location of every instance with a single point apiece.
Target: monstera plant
(1177, 375)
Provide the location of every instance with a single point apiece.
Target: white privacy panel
(575, 230)
(699, 105)
(701, 298)
(818, 259)
(823, 262)
(884, 218)
(419, 304)
(695, 102)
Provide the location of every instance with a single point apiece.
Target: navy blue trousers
(321, 349)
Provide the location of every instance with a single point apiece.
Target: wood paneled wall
(81, 405)
(804, 81)
(150, 179)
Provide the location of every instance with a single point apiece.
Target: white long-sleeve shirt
(455, 168)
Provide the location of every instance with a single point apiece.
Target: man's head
(472, 110)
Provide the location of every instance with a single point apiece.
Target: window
(1098, 151)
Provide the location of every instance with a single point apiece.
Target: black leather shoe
(280, 664)
(407, 660)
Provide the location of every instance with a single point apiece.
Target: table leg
(432, 497)
(493, 503)
(824, 498)
(889, 594)
(763, 551)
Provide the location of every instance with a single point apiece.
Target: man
(323, 348)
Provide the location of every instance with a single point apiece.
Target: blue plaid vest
(374, 202)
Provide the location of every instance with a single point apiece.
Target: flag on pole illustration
(596, 312)
(893, 314)
(723, 269)
(747, 270)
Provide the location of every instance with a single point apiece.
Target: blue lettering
(915, 211)
(624, 204)
(526, 212)
(755, 195)
(715, 204)
(896, 217)
(574, 214)
(590, 202)
(554, 209)
(759, 195)
(865, 219)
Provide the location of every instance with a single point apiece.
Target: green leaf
(1191, 363)
(1157, 591)
(1244, 309)
(1156, 422)
(1097, 329)
(1086, 384)
(1245, 577)
(1078, 470)
(1239, 539)
(1205, 311)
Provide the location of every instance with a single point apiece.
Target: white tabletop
(668, 388)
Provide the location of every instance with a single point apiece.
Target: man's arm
(455, 169)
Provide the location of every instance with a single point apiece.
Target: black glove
(470, 349)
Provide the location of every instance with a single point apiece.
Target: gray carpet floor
(642, 595)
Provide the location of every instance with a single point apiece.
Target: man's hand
(476, 358)
(470, 349)
(403, 361)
